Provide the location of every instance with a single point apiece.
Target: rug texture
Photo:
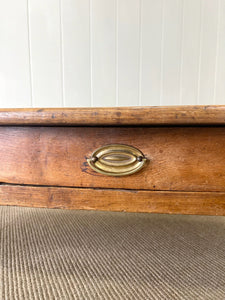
(66, 254)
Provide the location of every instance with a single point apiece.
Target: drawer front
(178, 158)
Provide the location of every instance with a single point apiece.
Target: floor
(67, 254)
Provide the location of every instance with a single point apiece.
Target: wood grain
(206, 203)
(180, 159)
(117, 116)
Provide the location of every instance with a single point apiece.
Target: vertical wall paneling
(46, 59)
(128, 52)
(208, 51)
(56, 53)
(15, 90)
(172, 37)
(76, 51)
(190, 51)
(103, 52)
(219, 88)
(152, 12)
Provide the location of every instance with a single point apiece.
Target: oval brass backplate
(117, 160)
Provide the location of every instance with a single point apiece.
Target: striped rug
(66, 254)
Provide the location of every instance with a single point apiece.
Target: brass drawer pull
(117, 160)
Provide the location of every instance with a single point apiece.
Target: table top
(115, 116)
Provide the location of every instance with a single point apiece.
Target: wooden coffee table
(134, 159)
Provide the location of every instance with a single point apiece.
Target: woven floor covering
(67, 254)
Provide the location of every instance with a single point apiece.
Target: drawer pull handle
(117, 160)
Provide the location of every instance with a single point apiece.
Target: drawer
(178, 158)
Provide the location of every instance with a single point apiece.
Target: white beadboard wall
(68, 53)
